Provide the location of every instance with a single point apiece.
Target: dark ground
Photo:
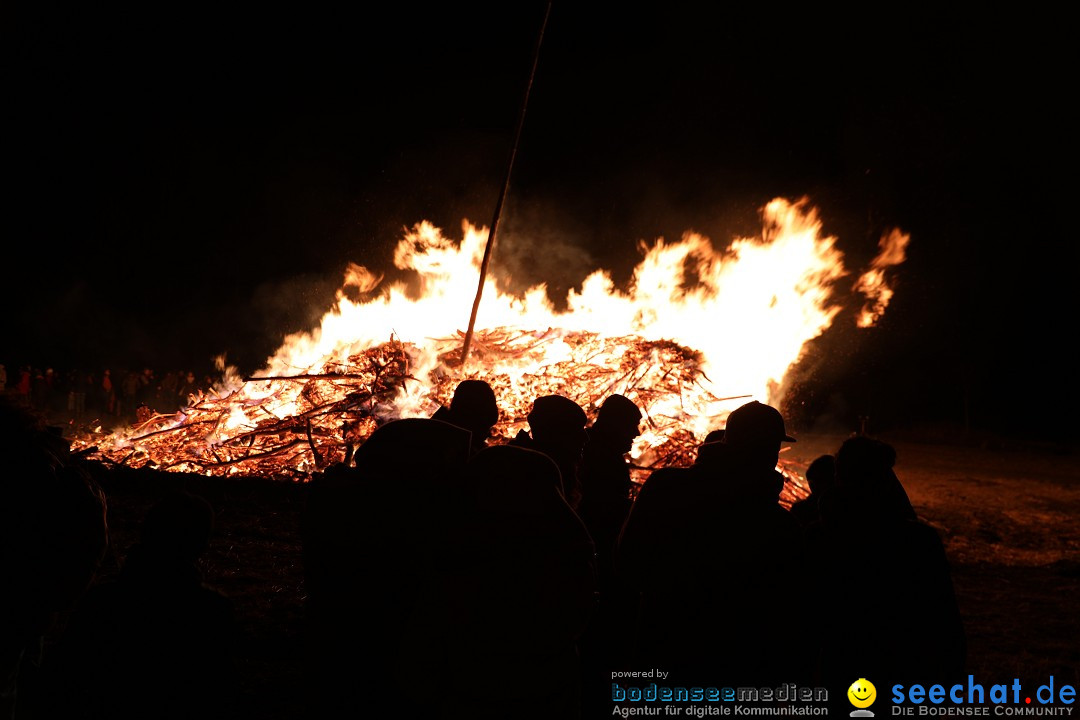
(1007, 514)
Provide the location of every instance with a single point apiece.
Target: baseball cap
(755, 422)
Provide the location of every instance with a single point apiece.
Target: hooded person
(909, 621)
(557, 429)
(473, 408)
(821, 477)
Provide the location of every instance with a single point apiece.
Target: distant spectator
(129, 395)
(166, 400)
(185, 387)
(146, 392)
(24, 387)
(107, 393)
(77, 386)
(41, 391)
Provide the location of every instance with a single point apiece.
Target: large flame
(696, 333)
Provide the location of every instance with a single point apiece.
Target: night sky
(186, 183)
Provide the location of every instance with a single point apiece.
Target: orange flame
(696, 333)
(873, 285)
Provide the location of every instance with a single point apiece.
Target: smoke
(536, 245)
(282, 307)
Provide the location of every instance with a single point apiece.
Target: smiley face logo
(862, 693)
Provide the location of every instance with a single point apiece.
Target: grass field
(1008, 517)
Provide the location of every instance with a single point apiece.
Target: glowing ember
(696, 334)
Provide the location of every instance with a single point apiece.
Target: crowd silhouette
(448, 575)
(81, 396)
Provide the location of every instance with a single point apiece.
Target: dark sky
(184, 183)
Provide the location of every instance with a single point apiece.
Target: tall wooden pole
(502, 195)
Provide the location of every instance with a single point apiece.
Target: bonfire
(696, 333)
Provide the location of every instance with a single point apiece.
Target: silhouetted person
(821, 477)
(716, 560)
(107, 394)
(713, 436)
(156, 641)
(884, 590)
(606, 497)
(24, 387)
(473, 407)
(185, 386)
(79, 381)
(499, 637)
(605, 475)
(41, 392)
(374, 538)
(557, 429)
(866, 463)
(146, 393)
(52, 539)
(165, 399)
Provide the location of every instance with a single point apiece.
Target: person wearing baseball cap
(754, 433)
(755, 422)
(718, 527)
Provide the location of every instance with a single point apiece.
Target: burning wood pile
(289, 426)
(748, 309)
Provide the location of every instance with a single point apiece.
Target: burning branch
(293, 425)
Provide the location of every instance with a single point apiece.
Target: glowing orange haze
(749, 312)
